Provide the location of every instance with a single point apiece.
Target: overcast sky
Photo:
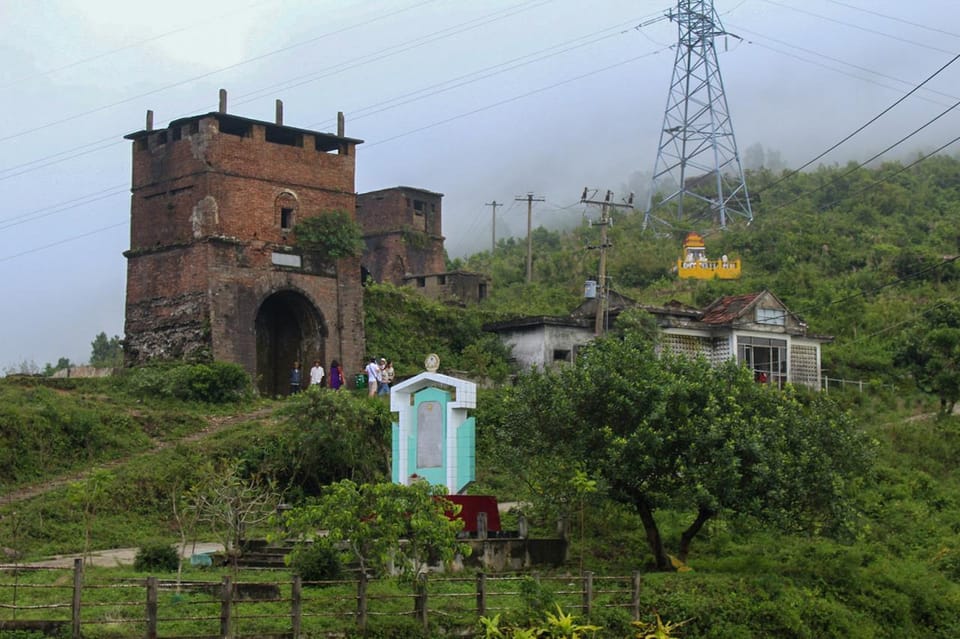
(483, 100)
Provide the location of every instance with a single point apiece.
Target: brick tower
(213, 270)
(402, 231)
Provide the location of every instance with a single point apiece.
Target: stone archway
(289, 328)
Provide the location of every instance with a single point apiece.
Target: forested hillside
(861, 254)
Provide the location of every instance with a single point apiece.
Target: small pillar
(340, 124)
(223, 101)
(149, 120)
(279, 112)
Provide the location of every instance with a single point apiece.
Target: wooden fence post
(635, 598)
(75, 606)
(296, 606)
(587, 592)
(420, 600)
(362, 600)
(481, 594)
(151, 608)
(481, 525)
(226, 598)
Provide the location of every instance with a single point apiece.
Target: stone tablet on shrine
(434, 439)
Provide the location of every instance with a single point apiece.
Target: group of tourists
(379, 376)
(318, 377)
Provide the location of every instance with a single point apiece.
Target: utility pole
(493, 234)
(529, 197)
(605, 205)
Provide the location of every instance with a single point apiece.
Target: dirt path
(214, 425)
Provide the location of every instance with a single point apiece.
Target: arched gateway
(289, 328)
(214, 270)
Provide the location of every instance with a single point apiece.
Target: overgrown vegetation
(866, 255)
(334, 234)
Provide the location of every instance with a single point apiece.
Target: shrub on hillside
(214, 382)
(156, 556)
(317, 562)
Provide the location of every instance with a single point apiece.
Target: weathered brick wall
(402, 232)
(205, 225)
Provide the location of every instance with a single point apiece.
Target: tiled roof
(726, 309)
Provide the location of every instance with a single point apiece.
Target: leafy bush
(156, 556)
(317, 562)
(214, 382)
(335, 234)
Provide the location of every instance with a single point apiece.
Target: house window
(767, 358)
(418, 206)
(771, 316)
(421, 282)
(560, 355)
(441, 280)
(286, 218)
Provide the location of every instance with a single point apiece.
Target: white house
(757, 329)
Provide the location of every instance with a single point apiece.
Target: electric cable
(201, 76)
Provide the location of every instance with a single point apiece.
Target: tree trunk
(702, 516)
(653, 533)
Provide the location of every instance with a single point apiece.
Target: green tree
(931, 352)
(335, 234)
(329, 436)
(62, 363)
(368, 521)
(680, 434)
(106, 352)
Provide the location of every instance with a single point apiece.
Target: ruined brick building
(404, 245)
(212, 270)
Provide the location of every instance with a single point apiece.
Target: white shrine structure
(434, 439)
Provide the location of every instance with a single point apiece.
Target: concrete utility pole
(493, 234)
(605, 205)
(529, 197)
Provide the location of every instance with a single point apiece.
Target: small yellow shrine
(695, 265)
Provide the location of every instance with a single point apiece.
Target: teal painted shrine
(434, 439)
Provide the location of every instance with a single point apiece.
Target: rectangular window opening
(421, 282)
(233, 127)
(561, 355)
(286, 218)
(278, 135)
(418, 206)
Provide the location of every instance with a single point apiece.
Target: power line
(64, 241)
(209, 73)
(393, 50)
(63, 206)
(894, 18)
(858, 27)
(871, 121)
(197, 23)
(520, 96)
(116, 139)
(833, 59)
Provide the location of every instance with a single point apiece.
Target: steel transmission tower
(697, 161)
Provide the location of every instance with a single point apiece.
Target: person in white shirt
(316, 374)
(373, 377)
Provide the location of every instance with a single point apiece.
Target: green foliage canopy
(335, 234)
(931, 353)
(369, 521)
(665, 432)
(106, 352)
(328, 436)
